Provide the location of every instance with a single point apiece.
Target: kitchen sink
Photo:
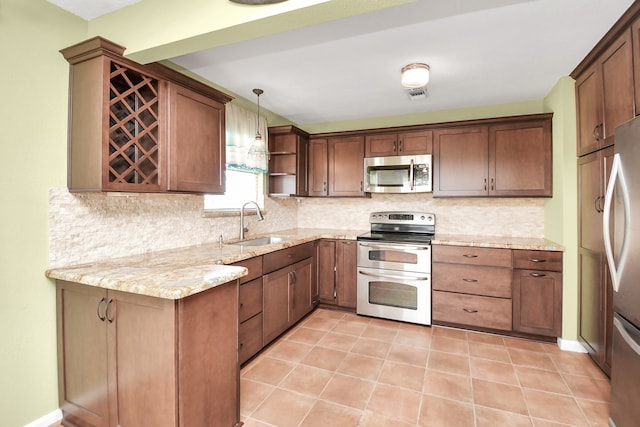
(261, 241)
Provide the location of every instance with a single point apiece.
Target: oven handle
(401, 247)
(411, 175)
(387, 276)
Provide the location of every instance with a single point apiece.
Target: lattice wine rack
(133, 127)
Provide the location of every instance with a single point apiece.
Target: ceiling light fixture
(415, 75)
(258, 2)
(258, 147)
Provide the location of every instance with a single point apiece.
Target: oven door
(389, 256)
(396, 295)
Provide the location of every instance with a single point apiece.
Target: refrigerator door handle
(626, 336)
(616, 175)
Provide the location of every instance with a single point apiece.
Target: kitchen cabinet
(398, 144)
(289, 286)
(500, 159)
(318, 167)
(537, 292)
(595, 288)
(336, 166)
(140, 128)
(605, 95)
(288, 161)
(472, 286)
(132, 360)
(337, 273)
(346, 166)
(250, 317)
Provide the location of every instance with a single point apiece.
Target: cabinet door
(520, 159)
(346, 166)
(461, 162)
(275, 310)
(346, 275)
(591, 201)
(82, 354)
(196, 142)
(141, 342)
(589, 109)
(318, 165)
(415, 143)
(618, 86)
(301, 282)
(384, 144)
(327, 271)
(537, 302)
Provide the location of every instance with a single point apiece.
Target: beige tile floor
(340, 370)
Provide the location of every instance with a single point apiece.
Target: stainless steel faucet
(258, 212)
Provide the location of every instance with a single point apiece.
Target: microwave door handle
(411, 175)
(616, 175)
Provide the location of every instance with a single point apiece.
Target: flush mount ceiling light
(415, 75)
(253, 2)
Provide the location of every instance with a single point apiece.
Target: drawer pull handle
(241, 305)
(537, 260)
(100, 316)
(470, 310)
(469, 280)
(537, 274)
(470, 256)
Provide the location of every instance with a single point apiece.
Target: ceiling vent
(416, 93)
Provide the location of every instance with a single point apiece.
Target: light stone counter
(528, 243)
(178, 273)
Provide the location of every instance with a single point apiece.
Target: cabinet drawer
(472, 310)
(250, 299)
(472, 279)
(250, 338)
(254, 265)
(472, 255)
(276, 260)
(537, 260)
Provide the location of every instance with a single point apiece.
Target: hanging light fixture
(415, 75)
(258, 147)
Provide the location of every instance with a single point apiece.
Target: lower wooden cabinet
(515, 291)
(537, 292)
(337, 275)
(250, 309)
(131, 360)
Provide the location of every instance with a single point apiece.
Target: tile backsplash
(88, 227)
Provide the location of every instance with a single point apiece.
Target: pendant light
(258, 147)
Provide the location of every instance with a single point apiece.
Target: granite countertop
(178, 273)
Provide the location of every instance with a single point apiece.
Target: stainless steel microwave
(398, 174)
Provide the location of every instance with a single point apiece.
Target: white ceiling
(481, 52)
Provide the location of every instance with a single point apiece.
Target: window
(241, 186)
(244, 174)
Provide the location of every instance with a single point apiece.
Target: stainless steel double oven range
(394, 267)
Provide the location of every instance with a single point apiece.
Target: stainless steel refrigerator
(622, 206)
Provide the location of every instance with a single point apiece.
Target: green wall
(33, 117)
(561, 211)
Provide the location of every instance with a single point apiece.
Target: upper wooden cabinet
(346, 166)
(512, 158)
(141, 128)
(288, 161)
(398, 144)
(336, 166)
(605, 94)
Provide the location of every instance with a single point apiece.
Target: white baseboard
(569, 345)
(47, 420)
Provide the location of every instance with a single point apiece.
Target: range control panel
(402, 217)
